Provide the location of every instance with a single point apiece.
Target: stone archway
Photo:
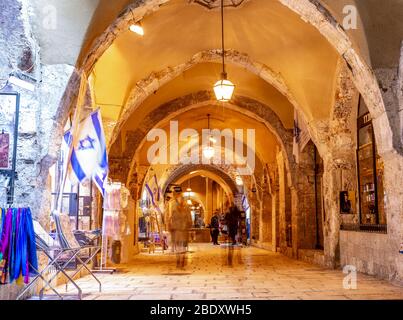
(181, 171)
(247, 106)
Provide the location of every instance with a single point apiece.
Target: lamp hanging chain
(209, 131)
(222, 37)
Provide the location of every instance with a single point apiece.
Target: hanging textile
(3, 217)
(17, 245)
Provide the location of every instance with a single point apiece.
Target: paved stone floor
(255, 274)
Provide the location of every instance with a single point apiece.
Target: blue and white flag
(153, 195)
(89, 159)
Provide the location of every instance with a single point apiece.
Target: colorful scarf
(17, 246)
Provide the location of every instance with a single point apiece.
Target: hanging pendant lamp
(223, 89)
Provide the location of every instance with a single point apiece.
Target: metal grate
(371, 228)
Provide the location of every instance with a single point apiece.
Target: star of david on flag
(89, 159)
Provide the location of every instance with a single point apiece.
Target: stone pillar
(274, 214)
(303, 202)
(295, 220)
(332, 221)
(266, 218)
(261, 227)
(282, 200)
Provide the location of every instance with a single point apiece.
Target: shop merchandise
(111, 226)
(18, 255)
(115, 224)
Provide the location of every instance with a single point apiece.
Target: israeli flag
(89, 159)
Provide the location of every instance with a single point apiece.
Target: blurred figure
(180, 223)
(232, 219)
(215, 225)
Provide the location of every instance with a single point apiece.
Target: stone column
(295, 221)
(332, 222)
(274, 223)
(281, 212)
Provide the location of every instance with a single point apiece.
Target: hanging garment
(110, 224)
(17, 246)
(3, 218)
(13, 253)
(112, 197)
(5, 245)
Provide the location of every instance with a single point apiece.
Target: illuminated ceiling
(277, 38)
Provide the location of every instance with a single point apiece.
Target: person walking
(215, 225)
(180, 223)
(232, 219)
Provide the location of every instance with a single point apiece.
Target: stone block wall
(370, 253)
(43, 113)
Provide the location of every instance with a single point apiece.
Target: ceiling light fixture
(208, 151)
(137, 28)
(223, 89)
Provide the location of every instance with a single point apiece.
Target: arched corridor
(122, 124)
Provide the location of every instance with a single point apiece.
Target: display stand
(115, 201)
(104, 252)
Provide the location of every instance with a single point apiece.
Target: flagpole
(76, 119)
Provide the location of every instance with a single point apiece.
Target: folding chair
(69, 244)
(51, 248)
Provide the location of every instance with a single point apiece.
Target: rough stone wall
(42, 113)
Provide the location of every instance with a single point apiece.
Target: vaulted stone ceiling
(201, 77)
(266, 30)
(79, 22)
(277, 38)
